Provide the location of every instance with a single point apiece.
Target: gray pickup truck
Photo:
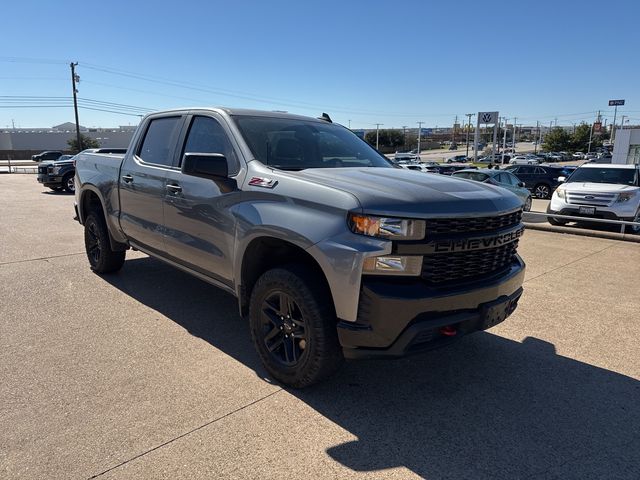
(331, 251)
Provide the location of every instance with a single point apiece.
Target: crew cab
(599, 191)
(331, 250)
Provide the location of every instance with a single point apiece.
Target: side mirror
(562, 179)
(205, 165)
(521, 184)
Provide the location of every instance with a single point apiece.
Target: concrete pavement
(150, 373)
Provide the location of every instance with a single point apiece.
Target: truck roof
(244, 111)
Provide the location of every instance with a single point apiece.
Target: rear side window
(157, 146)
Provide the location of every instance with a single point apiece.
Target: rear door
(143, 179)
(526, 174)
(199, 224)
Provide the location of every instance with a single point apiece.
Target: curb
(584, 232)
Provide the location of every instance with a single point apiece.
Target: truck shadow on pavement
(484, 408)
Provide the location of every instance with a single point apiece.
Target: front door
(199, 225)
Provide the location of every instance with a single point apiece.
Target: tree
(557, 140)
(87, 142)
(386, 138)
(580, 138)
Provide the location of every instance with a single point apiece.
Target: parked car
(48, 155)
(500, 178)
(540, 180)
(411, 156)
(453, 146)
(446, 169)
(524, 160)
(60, 174)
(495, 158)
(578, 155)
(458, 159)
(599, 191)
(329, 249)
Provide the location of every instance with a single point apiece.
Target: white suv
(527, 159)
(599, 191)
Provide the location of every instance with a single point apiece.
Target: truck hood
(406, 193)
(576, 187)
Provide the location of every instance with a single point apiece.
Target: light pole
(504, 140)
(404, 136)
(537, 140)
(377, 133)
(419, 135)
(349, 124)
(469, 115)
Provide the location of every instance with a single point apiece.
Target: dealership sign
(616, 103)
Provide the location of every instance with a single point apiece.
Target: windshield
(621, 176)
(477, 176)
(292, 144)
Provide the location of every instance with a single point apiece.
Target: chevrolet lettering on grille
(475, 243)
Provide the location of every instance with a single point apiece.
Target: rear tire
(96, 240)
(542, 190)
(293, 326)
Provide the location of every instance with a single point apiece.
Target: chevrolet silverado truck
(331, 251)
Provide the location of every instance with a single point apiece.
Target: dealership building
(626, 147)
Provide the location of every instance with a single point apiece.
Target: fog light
(393, 265)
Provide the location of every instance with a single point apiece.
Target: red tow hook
(448, 331)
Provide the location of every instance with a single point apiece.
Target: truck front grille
(467, 266)
(479, 224)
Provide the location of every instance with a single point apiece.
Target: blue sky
(394, 63)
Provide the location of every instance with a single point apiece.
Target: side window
(540, 171)
(206, 135)
(157, 145)
(502, 178)
(513, 180)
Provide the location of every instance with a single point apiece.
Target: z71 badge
(262, 182)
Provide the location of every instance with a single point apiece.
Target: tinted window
(524, 169)
(511, 179)
(296, 144)
(206, 135)
(540, 171)
(159, 140)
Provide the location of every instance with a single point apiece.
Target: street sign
(615, 103)
(487, 117)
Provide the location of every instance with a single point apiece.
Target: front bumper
(617, 211)
(49, 180)
(396, 318)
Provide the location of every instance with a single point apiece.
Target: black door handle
(174, 188)
(127, 178)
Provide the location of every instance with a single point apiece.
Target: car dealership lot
(150, 373)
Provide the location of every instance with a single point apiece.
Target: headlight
(561, 193)
(393, 265)
(384, 227)
(625, 196)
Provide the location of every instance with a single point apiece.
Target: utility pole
(613, 127)
(377, 131)
(349, 124)
(591, 133)
(535, 144)
(469, 115)
(404, 136)
(419, 135)
(74, 79)
(453, 132)
(515, 119)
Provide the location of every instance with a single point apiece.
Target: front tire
(555, 221)
(293, 326)
(527, 204)
(96, 240)
(68, 183)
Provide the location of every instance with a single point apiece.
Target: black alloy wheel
(284, 331)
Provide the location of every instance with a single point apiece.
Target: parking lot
(150, 373)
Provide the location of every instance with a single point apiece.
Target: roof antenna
(325, 117)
